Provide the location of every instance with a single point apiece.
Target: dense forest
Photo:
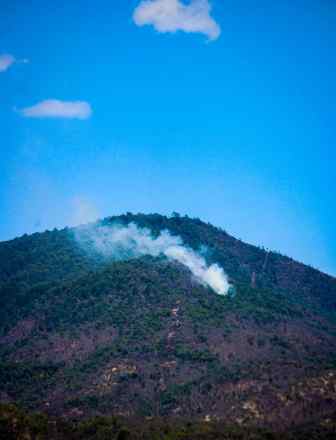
(17, 424)
(87, 335)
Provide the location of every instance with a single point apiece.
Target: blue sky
(227, 114)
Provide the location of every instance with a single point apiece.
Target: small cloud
(6, 60)
(173, 16)
(53, 108)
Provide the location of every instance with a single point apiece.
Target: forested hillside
(84, 334)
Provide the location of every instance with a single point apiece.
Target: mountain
(90, 326)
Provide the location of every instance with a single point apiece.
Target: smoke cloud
(84, 211)
(124, 242)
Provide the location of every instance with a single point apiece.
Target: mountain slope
(83, 333)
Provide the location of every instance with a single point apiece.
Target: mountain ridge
(83, 336)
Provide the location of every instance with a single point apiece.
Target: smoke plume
(124, 242)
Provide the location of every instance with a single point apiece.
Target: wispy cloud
(53, 108)
(6, 60)
(174, 15)
(84, 211)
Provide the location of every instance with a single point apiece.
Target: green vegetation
(15, 424)
(83, 333)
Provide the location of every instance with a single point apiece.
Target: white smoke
(131, 241)
(83, 211)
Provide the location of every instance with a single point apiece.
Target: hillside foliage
(84, 335)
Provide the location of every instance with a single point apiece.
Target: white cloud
(53, 108)
(6, 60)
(173, 15)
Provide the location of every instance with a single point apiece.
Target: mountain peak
(127, 316)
